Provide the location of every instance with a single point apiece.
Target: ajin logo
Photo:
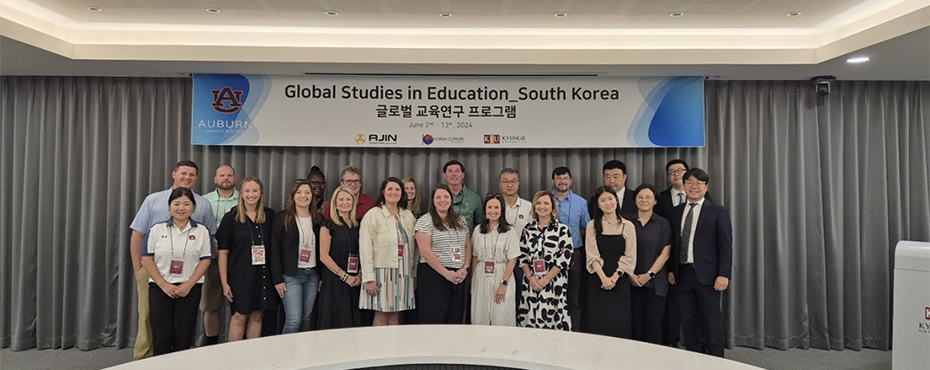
(227, 100)
(492, 139)
(359, 139)
(427, 139)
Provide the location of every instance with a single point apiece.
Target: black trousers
(439, 301)
(577, 289)
(671, 323)
(701, 317)
(174, 320)
(647, 312)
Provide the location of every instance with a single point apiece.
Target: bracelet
(345, 276)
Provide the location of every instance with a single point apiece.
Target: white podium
(911, 328)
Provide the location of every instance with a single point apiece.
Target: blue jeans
(299, 298)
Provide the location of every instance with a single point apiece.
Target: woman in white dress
(496, 246)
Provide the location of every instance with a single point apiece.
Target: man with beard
(573, 211)
(223, 199)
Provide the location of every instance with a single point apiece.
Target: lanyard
(345, 228)
(171, 239)
(542, 237)
(497, 239)
(306, 235)
(261, 233)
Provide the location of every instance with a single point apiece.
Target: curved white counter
(435, 344)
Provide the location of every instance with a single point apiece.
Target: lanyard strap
(261, 233)
(303, 232)
(171, 239)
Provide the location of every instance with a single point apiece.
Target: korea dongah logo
(359, 139)
(227, 100)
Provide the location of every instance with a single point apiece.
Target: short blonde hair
(555, 205)
(334, 212)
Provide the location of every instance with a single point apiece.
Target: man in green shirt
(223, 199)
(465, 201)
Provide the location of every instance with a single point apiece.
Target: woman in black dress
(250, 267)
(610, 243)
(341, 285)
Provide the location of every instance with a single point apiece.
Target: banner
(469, 112)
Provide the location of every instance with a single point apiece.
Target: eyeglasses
(677, 172)
(694, 183)
(317, 183)
(510, 182)
(352, 181)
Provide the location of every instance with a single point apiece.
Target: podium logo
(227, 100)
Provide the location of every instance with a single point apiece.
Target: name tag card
(177, 267)
(258, 255)
(400, 250)
(353, 264)
(306, 255)
(539, 267)
(457, 254)
(488, 268)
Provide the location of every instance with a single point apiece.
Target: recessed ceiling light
(794, 14)
(212, 10)
(560, 15)
(95, 8)
(445, 15)
(857, 60)
(677, 14)
(331, 13)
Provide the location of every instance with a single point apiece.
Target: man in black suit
(615, 178)
(703, 248)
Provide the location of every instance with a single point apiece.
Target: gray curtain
(820, 190)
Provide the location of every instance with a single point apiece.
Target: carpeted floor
(769, 358)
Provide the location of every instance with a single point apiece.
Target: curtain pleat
(819, 189)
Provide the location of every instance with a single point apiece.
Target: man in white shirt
(517, 210)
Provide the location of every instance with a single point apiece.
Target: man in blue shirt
(573, 211)
(155, 210)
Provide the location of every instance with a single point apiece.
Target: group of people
(625, 263)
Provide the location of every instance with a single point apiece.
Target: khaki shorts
(212, 297)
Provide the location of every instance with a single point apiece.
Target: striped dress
(396, 285)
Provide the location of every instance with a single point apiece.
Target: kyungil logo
(927, 313)
(227, 100)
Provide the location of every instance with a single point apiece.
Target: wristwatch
(652, 275)
(504, 282)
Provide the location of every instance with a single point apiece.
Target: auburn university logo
(227, 100)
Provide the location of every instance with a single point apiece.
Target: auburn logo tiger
(227, 100)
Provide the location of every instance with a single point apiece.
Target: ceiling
(727, 39)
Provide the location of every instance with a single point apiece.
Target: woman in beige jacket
(388, 255)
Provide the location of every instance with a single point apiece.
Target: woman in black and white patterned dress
(546, 251)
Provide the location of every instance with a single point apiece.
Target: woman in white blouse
(496, 248)
(176, 256)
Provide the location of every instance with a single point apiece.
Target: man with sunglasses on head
(222, 199)
(351, 177)
(465, 201)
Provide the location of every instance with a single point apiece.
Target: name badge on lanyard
(352, 268)
(400, 250)
(177, 267)
(457, 254)
(539, 267)
(488, 268)
(258, 255)
(306, 254)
